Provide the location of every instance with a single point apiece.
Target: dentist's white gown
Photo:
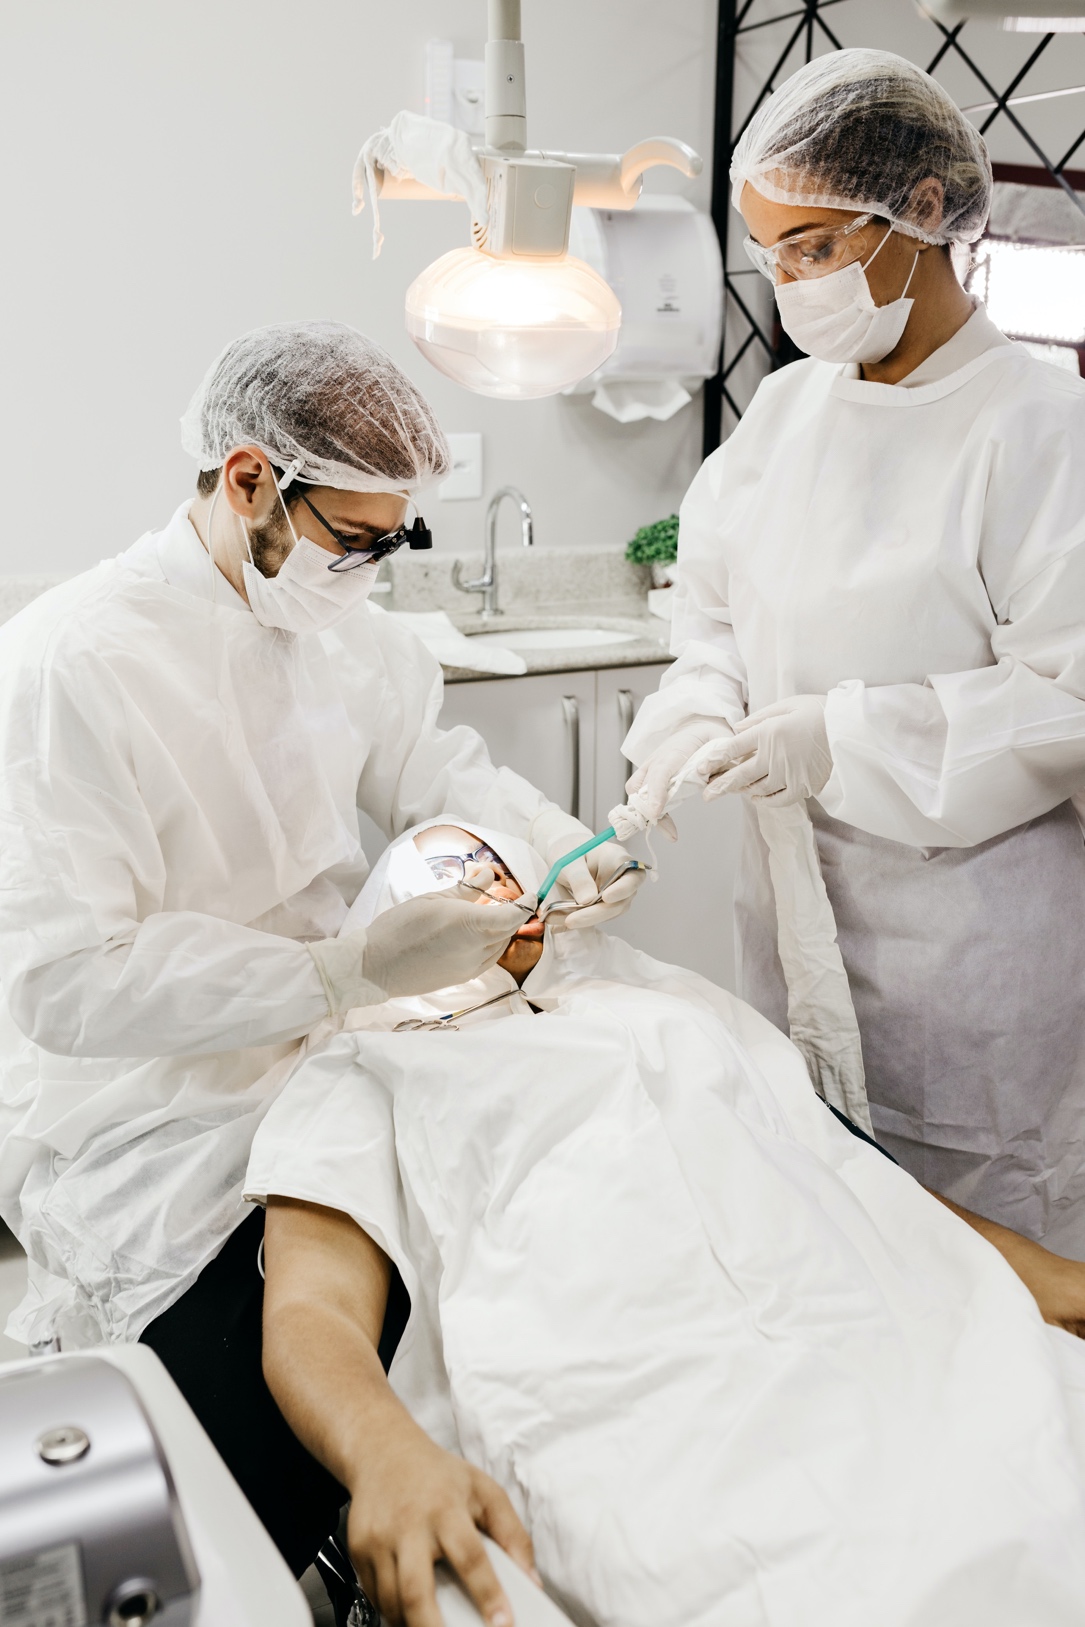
(917, 553)
(179, 796)
(733, 1367)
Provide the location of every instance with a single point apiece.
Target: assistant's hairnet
(321, 401)
(861, 129)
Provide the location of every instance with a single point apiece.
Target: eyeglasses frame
(355, 554)
(767, 260)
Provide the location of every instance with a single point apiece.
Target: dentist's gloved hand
(779, 754)
(593, 884)
(651, 782)
(427, 943)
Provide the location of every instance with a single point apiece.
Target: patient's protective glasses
(367, 550)
(451, 868)
(815, 254)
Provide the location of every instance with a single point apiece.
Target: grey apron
(967, 971)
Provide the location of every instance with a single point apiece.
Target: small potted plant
(657, 545)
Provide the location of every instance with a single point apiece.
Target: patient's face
(451, 843)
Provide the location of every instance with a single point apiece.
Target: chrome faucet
(486, 584)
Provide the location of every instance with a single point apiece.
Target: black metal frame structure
(806, 30)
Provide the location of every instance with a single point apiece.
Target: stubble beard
(271, 542)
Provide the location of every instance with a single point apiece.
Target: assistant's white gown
(917, 553)
(179, 795)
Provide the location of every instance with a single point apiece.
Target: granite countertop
(543, 588)
(647, 646)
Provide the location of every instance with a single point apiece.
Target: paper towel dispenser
(663, 261)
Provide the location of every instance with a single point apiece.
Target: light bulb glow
(516, 329)
(1034, 292)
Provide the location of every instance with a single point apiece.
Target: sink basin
(555, 638)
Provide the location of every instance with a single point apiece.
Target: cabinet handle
(570, 710)
(625, 723)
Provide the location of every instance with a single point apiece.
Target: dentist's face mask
(835, 318)
(305, 596)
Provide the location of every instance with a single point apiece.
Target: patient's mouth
(532, 929)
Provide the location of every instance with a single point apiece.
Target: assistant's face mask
(305, 596)
(835, 318)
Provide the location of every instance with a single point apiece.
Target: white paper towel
(629, 400)
(454, 649)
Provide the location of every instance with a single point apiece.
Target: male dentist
(187, 733)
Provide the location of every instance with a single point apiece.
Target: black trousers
(210, 1341)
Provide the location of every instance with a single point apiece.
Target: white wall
(179, 172)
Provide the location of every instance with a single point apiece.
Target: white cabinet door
(542, 726)
(685, 917)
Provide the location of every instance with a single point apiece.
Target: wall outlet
(466, 477)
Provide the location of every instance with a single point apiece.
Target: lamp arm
(665, 150)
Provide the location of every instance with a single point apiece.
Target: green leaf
(655, 544)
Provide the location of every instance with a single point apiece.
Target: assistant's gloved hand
(593, 884)
(427, 943)
(651, 782)
(779, 754)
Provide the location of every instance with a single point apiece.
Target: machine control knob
(133, 1604)
(64, 1445)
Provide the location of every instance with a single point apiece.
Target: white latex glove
(427, 943)
(592, 884)
(779, 754)
(651, 782)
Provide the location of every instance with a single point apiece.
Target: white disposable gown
(179, 795)
(733, 1367)
(917, 554)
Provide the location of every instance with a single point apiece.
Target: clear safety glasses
(376, 545)
(814, 254)
(450, 868)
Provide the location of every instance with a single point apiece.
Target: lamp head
(514, 328)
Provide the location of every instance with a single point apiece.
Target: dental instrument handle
(578, 853)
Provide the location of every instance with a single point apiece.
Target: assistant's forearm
(956, 761)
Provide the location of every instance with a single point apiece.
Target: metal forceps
(417, 1025)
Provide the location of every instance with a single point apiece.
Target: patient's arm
(1057, 1285)
(411, 1503)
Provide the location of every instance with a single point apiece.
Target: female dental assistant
(882, 609)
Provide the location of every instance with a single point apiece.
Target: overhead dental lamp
(513, 315)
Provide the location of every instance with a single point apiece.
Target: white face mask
(305, 596)
(835, 318)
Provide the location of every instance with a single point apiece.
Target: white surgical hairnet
(860, 130)
(324, 403)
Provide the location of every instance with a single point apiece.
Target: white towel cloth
(454, 649)
(437, 154)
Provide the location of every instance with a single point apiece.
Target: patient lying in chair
(724, 1361)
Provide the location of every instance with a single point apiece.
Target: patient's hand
(1057, 1285)
(325, 1293)
(414, 1504)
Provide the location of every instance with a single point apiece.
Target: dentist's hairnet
(860, 130)
(324, 403)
